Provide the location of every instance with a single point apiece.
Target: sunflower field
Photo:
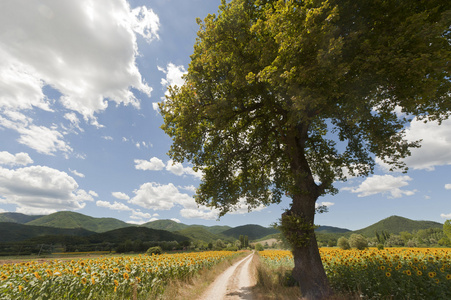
(393, 273)
(120, 277)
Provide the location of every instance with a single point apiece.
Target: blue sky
(79, 128)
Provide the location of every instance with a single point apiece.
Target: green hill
(173, 226)
(14, 232)
(253, 232)
(331, 229)
(395, 225)
(136, 233)
(199, 233)
(168, 225)
(17, 217)
(68, 219)
(217, 229)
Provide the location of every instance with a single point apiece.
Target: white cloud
(120, 196)
(173, 78)
(328, 204)
(146, 23)
(448, 186)
(445, 216)
(94, 194)
(44, 140)
(77, 173)
(190, 188)
(173, 75)
(176, 220)
(154, 164)
(141, 215)
(40, 189)
(383, 184)
(113, 206)
(18, 159)
(156, 196)
(84, 49)
(192, 213)
(108, 138)
(435, 145)
(74, 121)
(40, 138)
(178, 169)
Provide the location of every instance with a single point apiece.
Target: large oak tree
(288, 97)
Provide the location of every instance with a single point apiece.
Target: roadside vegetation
(118, 277)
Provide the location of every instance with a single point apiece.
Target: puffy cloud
(44, 140)
(445, 216)
(383, 184)
(173, 75)
(156, 196)
(120, 196)
(40, 138)
(179, 169)
(435, 145)
(18, 159)
(154, 164)
(77, 173)
(113, 206)
(84, 49)
(192, 213)
(448, 186)
(164, 197)
(173, 78)
(176, 220)
(190, 188)
(137, 214)
(40, 189)
(94, 194)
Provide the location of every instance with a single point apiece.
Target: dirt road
(235, 283)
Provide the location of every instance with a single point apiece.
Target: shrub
(358, 241)
(154, 250)
(343, 243)
(259, 247)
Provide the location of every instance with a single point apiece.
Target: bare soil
(234, 283)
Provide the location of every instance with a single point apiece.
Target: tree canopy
(273, 85)
(288, 97)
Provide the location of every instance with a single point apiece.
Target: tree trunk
(298, 222)
(308, 268)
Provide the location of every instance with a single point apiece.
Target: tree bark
(308, 267)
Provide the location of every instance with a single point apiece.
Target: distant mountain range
(16, 227)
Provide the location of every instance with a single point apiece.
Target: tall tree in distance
(287, 97)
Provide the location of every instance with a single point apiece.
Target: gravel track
(234, 283)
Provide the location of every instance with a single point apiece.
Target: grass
(278, 284)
